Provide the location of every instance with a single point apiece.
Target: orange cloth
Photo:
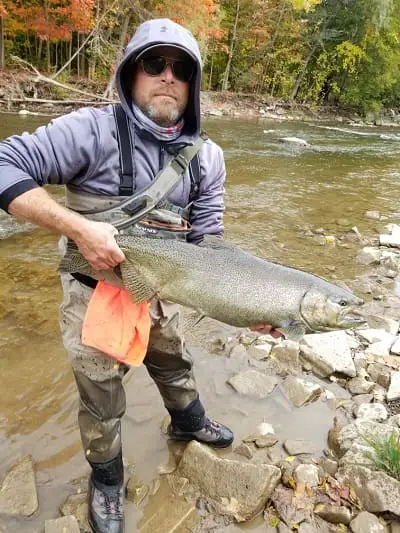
(116, 326)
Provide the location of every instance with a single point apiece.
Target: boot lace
(113, 505)
(213, 427)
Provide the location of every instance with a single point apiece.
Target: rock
(369, 256)
(297, 447)
(307, 474)
(301, 392)
(66, 524)
(394, 389)
(396, 347)
(253, 383)
(355, 433)
(393, 238)
(372, 411)
(282, 528)
(259, 352)
(366, 523)
(245, 450)
(265, 429)
(394, 421)
(285, 504)
(380, 373)
(360, 386)
(215, 113)
(332, 349)
(335, 514)
(18, 494)
(380, 349)
(76, 505)
(266, 441)
(287, 354)
(395, 527)
(362, 398)
(372, 335)
(136, 491)
(377, 491)
(330, 466)
(236, 488)
(360, 362)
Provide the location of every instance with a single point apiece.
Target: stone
(335, 514)
(287, 353)
(373, 215)
(368, 256)
(66, 524)
(396, 347)
(392, 237)
(373, 335)
(383, 322)
(329, 351)
(266, 441)
(380, 373)
(380, 349)
(395, 527)
(307, 474)
(18, 495)
(378, 492)
(362, 398)
(235, 488)
(253, 383)
(245, 450)
(330, 466)
(366, 523)
(394, 388)
(301, 392)
(297, 447)
(356, 433)
(372, 411)
(360, 385)
(76, 505)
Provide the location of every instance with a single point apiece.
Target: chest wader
(99, 377)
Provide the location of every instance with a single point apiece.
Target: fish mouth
(351, 318)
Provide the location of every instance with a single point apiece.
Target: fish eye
(342, 303)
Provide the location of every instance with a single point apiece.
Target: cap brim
(162, 45)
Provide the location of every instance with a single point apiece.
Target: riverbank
(23, 93)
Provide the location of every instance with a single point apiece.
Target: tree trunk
(225, 82)
(301, 74)
(2, 60)
(122, 40)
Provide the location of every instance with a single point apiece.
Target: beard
(166, 113)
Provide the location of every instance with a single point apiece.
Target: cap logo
(163, 29)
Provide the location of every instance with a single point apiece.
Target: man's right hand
(97, 244)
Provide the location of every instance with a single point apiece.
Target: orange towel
(116, 326)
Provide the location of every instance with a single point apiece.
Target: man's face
(163, 97)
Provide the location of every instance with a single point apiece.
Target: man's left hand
(267, 329)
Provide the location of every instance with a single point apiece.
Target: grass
(386, 454)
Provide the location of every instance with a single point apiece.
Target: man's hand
(267, 329)
(97, 244)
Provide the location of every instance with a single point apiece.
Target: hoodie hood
(162, 32)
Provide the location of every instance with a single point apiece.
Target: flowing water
(275, 192)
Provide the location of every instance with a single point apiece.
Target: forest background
(337, 52)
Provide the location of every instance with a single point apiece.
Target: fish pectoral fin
(135, 283)
(217, 243)
(293, 330)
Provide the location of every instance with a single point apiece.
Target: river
(276, 193)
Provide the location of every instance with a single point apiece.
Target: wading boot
(106, 497)
(193, 424)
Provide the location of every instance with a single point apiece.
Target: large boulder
(235, 488)
(18, 494)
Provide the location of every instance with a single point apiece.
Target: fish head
(327, 307)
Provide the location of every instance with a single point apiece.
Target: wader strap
(126, 150)
(86, 280)
(195, 176)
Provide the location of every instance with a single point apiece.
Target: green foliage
(386, 454)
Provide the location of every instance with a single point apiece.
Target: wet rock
(394, 388)
(335, 514)
(285, 504)
(373, 215)
(245, 450)
(368, 256)
(377, 491)
(266, 441)
(179, 485)
(287, 354)
(66, 524)
(76, 505)
(301, 392)
(330, 466)
(372, 335)
(392, 237)
(329, 351)
(366, 523)
(360, 385)
(236, 488)
(136, 491)
(253, 383)
(297, 447)
(372, 411)
(307, 474)
(18, 494)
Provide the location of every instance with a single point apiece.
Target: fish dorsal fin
(135, 283)
(212, 241)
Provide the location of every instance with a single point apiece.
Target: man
(158, 82)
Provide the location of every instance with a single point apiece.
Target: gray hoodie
(80, 150)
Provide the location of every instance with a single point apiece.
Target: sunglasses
(182, 69)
